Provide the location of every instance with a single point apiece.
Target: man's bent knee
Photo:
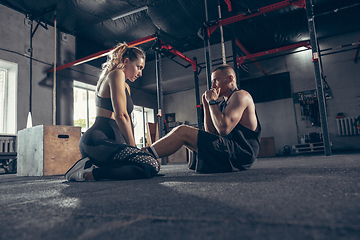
(188, 135)
(180, 130)
(185, 130)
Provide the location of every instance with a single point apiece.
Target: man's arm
(208, 124)
(225, 122)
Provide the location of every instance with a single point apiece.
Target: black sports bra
(106, 103)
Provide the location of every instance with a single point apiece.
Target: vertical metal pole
(197, 96)
(208, 61)
(54, 84)
(222, 37)
(29, 120)
(159, 84)
(198, 109)
(31, 67)
(318, 79)
(87, 110)
(144, 127)
(234, 46)
(207, 49)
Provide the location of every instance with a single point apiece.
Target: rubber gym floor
(296, 197)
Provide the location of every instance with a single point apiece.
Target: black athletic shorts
(217, 154)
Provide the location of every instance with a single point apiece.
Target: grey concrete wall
(13, 34)
(342, 75)
(14, 42)
(183, 104)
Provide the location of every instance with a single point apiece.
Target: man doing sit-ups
(231, 139)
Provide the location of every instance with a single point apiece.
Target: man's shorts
(217, 154)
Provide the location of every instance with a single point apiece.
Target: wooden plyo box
(47, 150)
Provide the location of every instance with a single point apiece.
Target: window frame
(147, 113)
(9, 124)
(88, 88)
(3, 113)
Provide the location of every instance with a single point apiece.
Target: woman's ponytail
(116, 57)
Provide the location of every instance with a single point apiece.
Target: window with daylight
(8, 96)
(84, 112)
(3, 97)
(140, 117)
(84, 105)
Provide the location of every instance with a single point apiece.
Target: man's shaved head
(226, 70)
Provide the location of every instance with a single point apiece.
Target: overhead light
(131, 12)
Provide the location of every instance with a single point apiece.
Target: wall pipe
(54, 83)
(31, 51)
(29, 119)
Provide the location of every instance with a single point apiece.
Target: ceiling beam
(254, 13)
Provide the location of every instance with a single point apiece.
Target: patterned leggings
(103, 144)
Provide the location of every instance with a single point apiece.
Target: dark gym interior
(299, 59)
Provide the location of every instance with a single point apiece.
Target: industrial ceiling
(99, 25)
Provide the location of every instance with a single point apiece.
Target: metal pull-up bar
(179, 54)
(240, 60)
(238, 43)
(101, 54)
(253, 13)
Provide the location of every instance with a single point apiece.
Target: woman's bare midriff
(100, 112)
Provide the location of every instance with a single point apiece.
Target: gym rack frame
(210, 27)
